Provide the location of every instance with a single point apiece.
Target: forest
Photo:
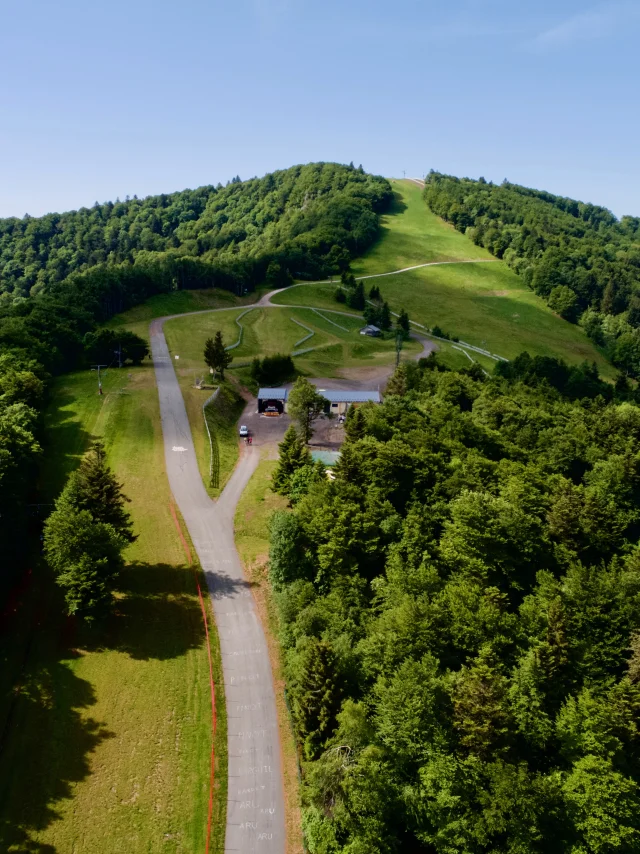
(582, 260)
(308, 219)
(63, 275)
(460, 617)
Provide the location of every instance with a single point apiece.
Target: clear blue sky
(101, 99)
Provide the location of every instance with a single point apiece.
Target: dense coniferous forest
(460, 613)
(578, 256)
(63, 274)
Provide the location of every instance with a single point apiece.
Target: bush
(272, 370)
(440, 333)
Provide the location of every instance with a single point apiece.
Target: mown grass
(109, 730)
(223, 414)
(485, 304)
(180, 302)
(411, 234)
(253, 512)
(272, 330)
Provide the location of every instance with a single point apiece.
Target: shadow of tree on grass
(48, 735)
(47, 744)
(157, 614)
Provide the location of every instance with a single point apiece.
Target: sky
(103, 100)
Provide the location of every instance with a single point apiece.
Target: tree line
(460, 616)
(582, 260)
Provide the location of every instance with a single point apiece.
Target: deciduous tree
(305, 404)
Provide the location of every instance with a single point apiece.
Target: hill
(578, 257)
(62, 274)
(306, 218)
(459, 288)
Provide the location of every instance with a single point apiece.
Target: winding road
(255, 805)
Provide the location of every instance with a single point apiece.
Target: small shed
(371, 330)
(272, 401)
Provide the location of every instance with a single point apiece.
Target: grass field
(485, 304)
(108, 738)
(252, 539)
(179, 302)
(273, 330)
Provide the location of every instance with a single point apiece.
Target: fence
(239, 341)
(214, 453)
(306, 337)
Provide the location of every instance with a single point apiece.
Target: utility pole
(97, 368)
(404, 174)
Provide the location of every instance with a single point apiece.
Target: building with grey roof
(273, 401)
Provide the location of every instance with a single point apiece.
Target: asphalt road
(255, 807)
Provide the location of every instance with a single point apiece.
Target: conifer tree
(86, 534)
(402, 323)
(317, 696)
(481, 715)
(398, 381)
(94, 487)
(354, 424)
(356, 298)
(210, 358)
(385, 317)
(293, 455)
(215, 355)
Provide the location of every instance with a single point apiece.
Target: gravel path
(255, 805)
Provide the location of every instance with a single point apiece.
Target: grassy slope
(252, 539)
(483, 304)
(180, 302)
(411, 235)
(112, 750)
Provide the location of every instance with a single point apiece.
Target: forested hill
(62, 274)
(307, 217)
(578, 256)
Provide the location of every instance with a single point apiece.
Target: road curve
(255, 800)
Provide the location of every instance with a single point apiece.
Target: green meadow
(108, 731)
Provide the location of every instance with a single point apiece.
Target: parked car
(244, 431)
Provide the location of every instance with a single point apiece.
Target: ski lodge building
(273, 401)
